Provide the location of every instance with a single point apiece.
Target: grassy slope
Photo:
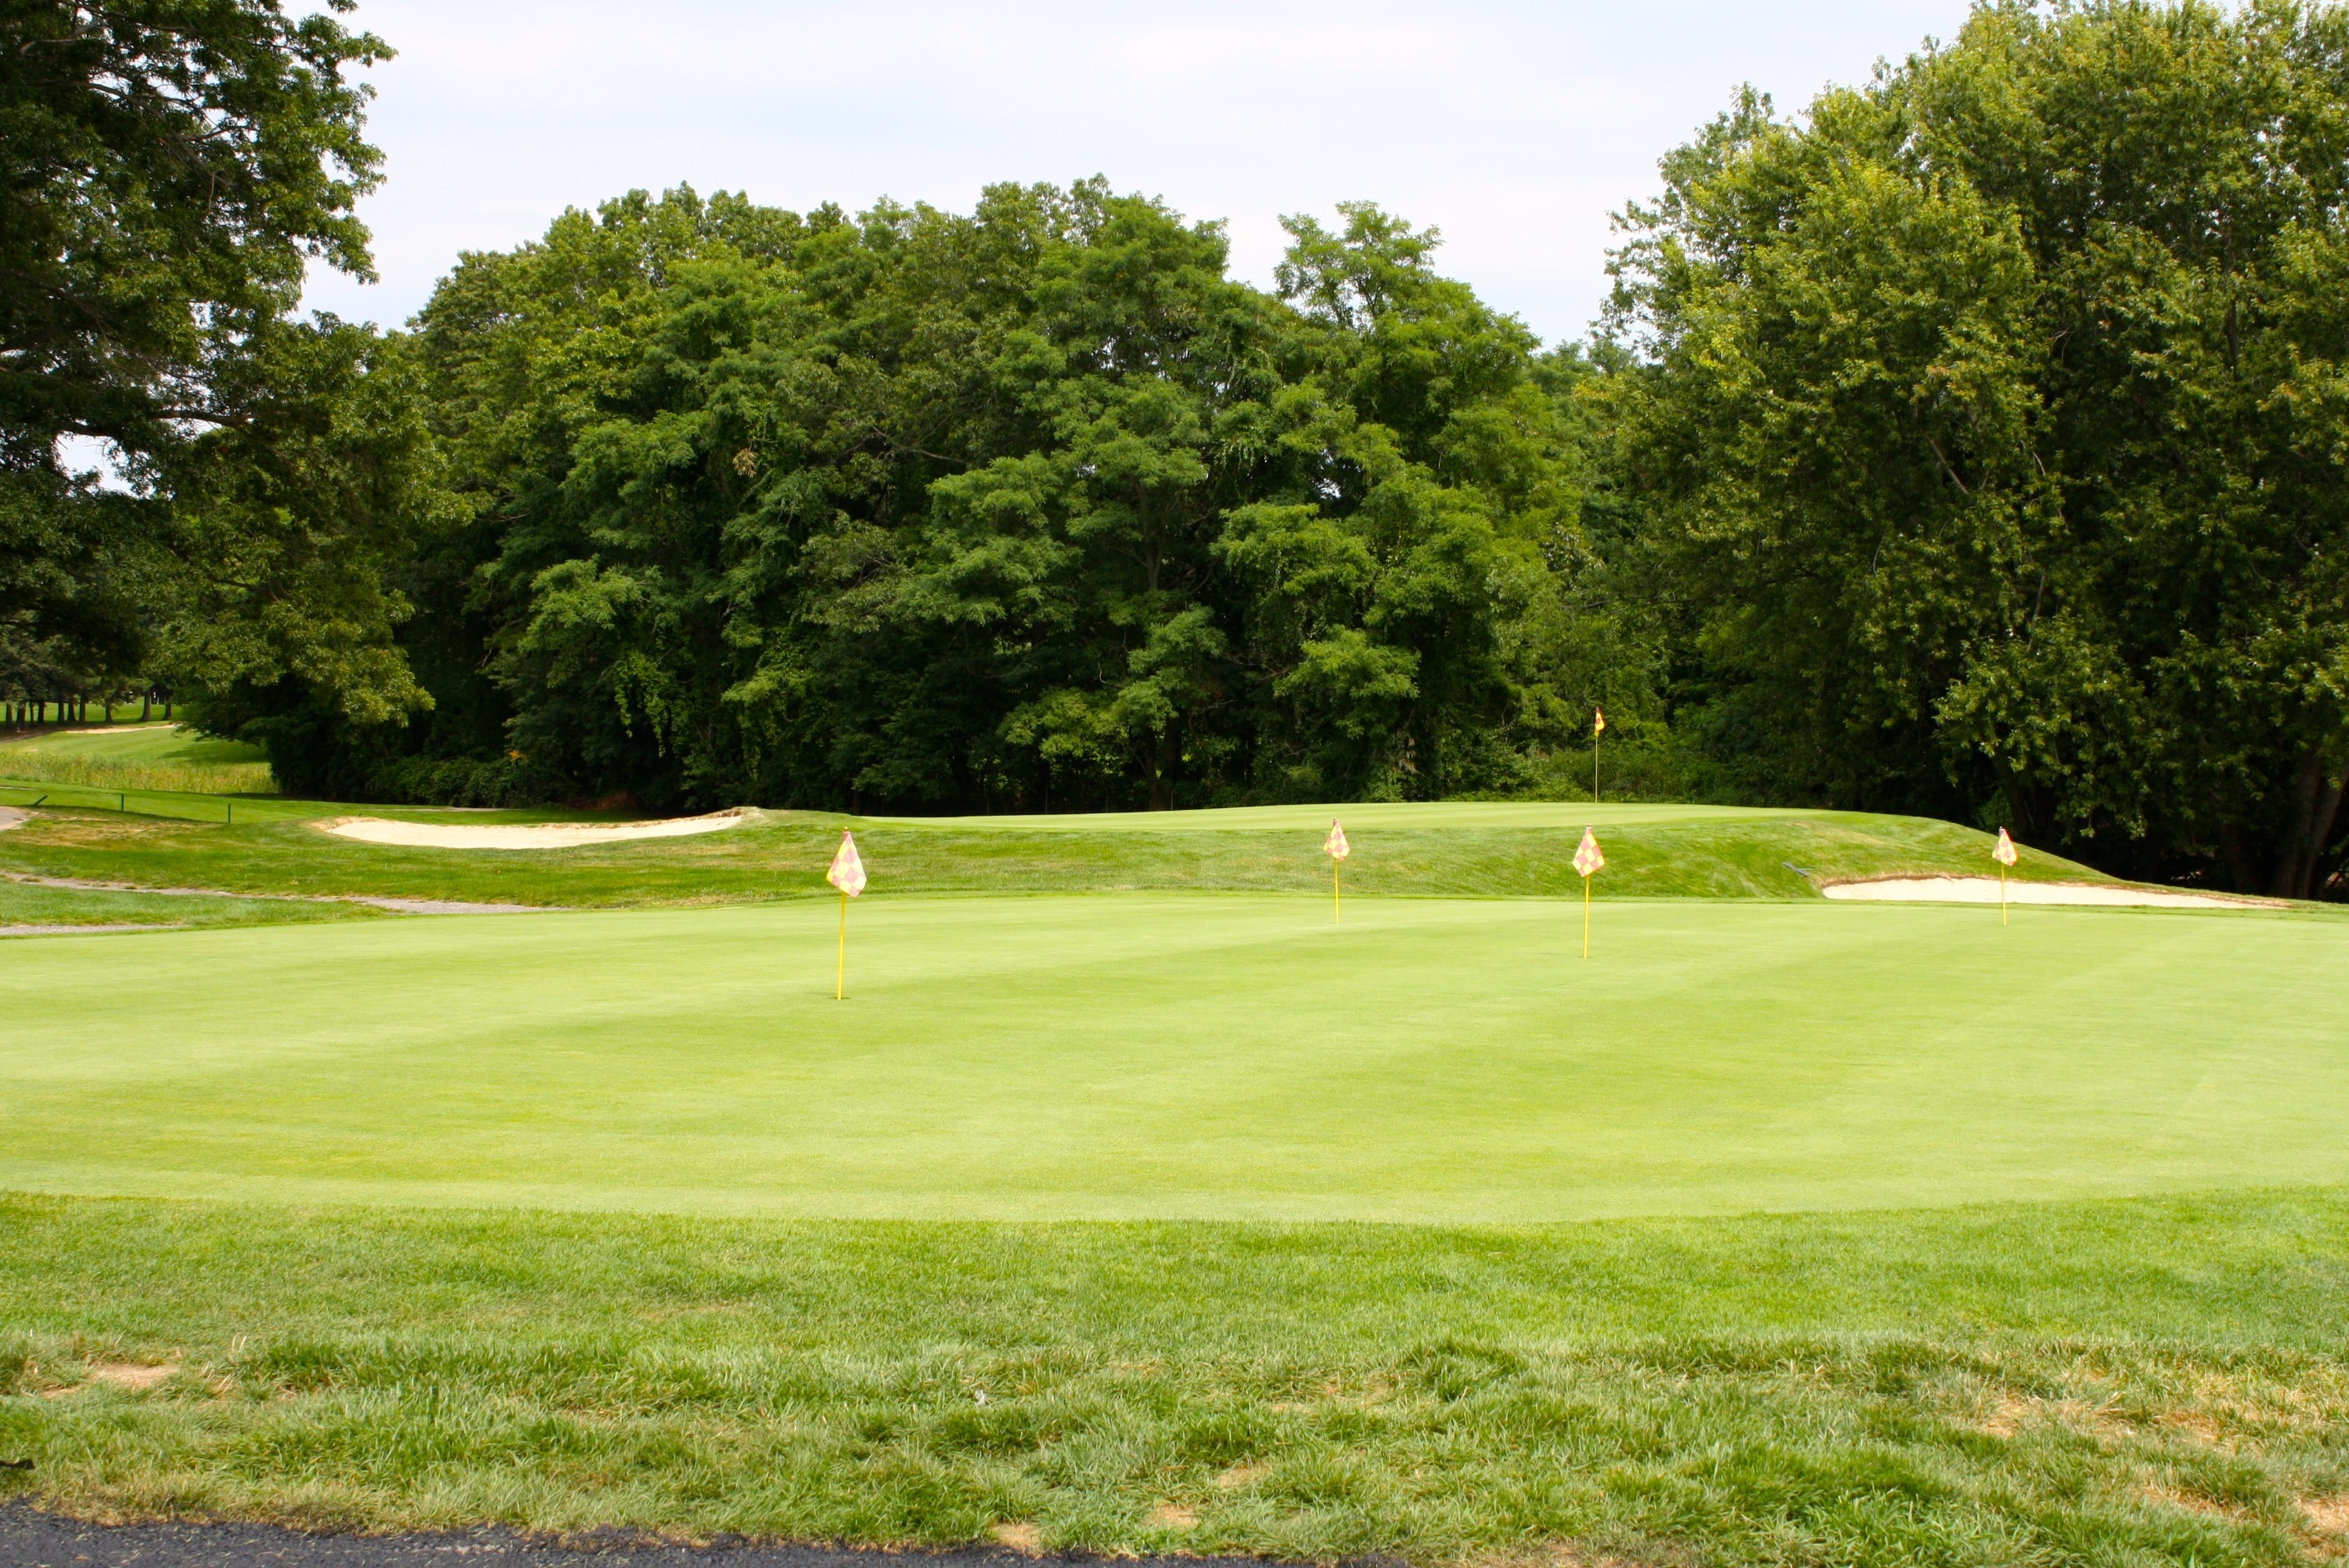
(1508, 851)
(2097, 1384)
(1181, 1055)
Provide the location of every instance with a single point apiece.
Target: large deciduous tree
(168, 171)
(1993, 427)
(1030, 506)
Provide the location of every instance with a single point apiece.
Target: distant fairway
(1229, 1056)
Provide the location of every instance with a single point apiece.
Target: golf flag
(1598, 728)
(1337, 848)
(2005, 854)
(1587, 862)
(1587, 858)
(847, 874)
(1598, 722)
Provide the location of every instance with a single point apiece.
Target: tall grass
(137, 759)
(32, 764)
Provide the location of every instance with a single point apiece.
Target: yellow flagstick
(1337, 848)
(839, 967)
(1587, 862)
(2004, 853)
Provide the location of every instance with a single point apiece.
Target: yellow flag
(1335, 845)
(1598, 722)
(2004, 853)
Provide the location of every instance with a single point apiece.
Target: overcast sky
(1515, 128)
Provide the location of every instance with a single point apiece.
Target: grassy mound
(1449, 850)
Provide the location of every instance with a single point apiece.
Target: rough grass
(149, 757)
(2120, 1383)
(1494, 851)
(24, 904)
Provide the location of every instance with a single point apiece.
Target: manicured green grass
(2111, 1384)
(1256, 1232)
(1443, 850)
(1187, 1056)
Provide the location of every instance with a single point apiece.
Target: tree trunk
(2328, 812)
(1168, 752)
(2240, 876)
(2315, 802)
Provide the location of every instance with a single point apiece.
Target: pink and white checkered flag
(2005, 852)
(1335, 845)
(847, 872)
(1586, 859)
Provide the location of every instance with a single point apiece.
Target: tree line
(1970, 443)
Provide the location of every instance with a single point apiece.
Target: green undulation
(2102, 1384)
(1446, 849)
(1209, 1058)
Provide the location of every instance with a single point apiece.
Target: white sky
(1516, 128)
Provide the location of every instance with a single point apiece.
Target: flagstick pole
(1337, 905)
(840, 970)
(1594, 767)
(2001, 895)
(1586, 917)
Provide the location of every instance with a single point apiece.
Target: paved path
(33, 1540)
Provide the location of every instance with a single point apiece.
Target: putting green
(1187, 1056)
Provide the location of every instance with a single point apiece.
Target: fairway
(1232, 1057)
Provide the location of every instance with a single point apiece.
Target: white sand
(531, 836)
(1984, 890)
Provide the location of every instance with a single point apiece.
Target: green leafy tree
(171, 168)
(997, 509)
(1990, 430)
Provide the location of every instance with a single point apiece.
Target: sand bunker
(10, 816)
(1984, 890)
(531, 836)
